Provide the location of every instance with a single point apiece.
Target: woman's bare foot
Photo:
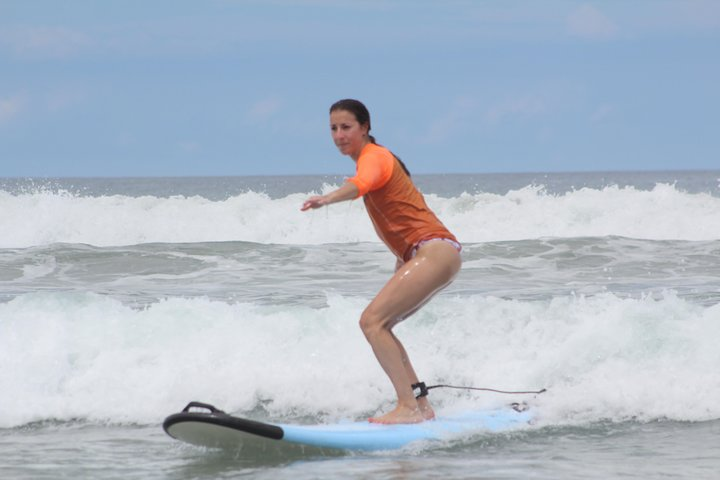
(400, 415)
(425, 409)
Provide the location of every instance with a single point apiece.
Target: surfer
(428, 255)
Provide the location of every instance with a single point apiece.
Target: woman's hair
(362, 115)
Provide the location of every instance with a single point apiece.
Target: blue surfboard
(204, 425)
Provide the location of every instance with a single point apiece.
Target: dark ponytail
(362, 115)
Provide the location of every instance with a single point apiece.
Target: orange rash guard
(397, 209)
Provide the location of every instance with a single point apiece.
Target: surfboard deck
(204, 425)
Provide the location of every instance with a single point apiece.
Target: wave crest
(46, 217)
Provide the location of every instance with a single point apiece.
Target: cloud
(444, 125)
(54, 42)
(264, 109)
(522, 106)
(189, 146)
(466, 113)
(588, 22)
(694, 15)
(11, 107)
(62, 99)
(601, 113)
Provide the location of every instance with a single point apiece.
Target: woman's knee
(371, 324)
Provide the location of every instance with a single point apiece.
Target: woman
(428, 255)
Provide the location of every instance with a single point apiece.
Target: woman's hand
(347, 192)
(314, 202)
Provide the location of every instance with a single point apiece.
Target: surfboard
(204, 425)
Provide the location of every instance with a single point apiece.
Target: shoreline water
(121, 303)
(594, 452)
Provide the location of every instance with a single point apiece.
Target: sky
(126, 88)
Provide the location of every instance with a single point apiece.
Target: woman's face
(348, 134)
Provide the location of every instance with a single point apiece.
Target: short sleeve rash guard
(374, 169)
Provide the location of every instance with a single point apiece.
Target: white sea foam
(80, 355)
(45, 217)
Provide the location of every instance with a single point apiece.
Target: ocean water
(121, 300)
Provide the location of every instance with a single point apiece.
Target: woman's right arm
(348, 191)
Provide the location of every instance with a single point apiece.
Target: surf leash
(424, 389)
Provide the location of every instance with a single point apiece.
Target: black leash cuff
(423, 389)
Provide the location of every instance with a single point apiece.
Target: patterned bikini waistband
(417, 246)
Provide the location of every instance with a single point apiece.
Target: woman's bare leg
(425, 409)
(412, 285)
